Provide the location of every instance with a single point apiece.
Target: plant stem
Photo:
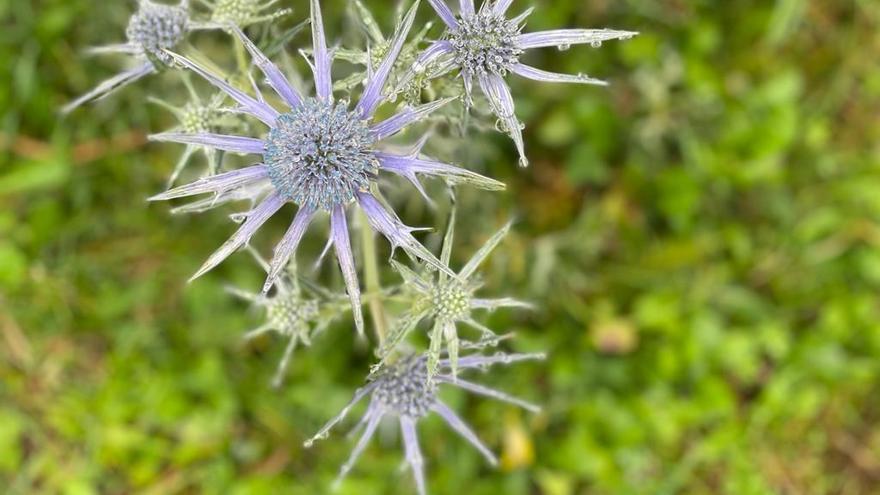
(371, 274)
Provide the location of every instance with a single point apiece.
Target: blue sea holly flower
(319, 154)
(401, 391)
(153, 28)
(447, 302)
(293, 312)
(486, 45)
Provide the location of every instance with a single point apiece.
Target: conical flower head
(485, 43)
(320, 155)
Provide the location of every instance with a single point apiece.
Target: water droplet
(596, 44)
(523, 162)
(563, 47)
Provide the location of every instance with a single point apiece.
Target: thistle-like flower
(447, 301)
(196, 117)
(402, 391)
(154, 28)
(486, 45)
(291, 313)
(244, 13)
(320, 155)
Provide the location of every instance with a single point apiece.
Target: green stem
(373, 285)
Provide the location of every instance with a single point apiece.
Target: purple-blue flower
(151, 30)
(402, 391)
(485, 45)
(319, 154)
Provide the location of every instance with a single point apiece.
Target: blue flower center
(404, 389)
(320, 155)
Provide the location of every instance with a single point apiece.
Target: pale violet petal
(568, 37)
(488, 392)
(413, 452)
(249, 104)
(396, 232)
(444, 12)
(235, 144)
(342, 243)
(288, 244)
(410, 167)
(372, 95)
(501, 102)
(273, 74)
(110, 85)
(253, 221)
(553, 77)
(217, 184)
(407, 116)
(464, 430)
(323, 80)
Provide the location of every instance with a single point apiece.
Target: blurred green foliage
(702, 241)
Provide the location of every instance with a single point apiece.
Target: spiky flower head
(318, 155)
(244, 13)
(151, 30)
(485, 45)
(291, 312)
(447, 302)
(401, 391)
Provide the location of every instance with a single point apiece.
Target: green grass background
(701, 240)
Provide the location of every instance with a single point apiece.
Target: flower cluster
(328, 155)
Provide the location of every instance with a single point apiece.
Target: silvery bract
(485, 45)
(403, 392)
(319, 154)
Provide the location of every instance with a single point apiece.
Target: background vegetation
(701, 239)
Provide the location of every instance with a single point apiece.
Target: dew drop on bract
(563, 47)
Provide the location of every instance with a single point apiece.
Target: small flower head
(447, 302)
(197, 116)
(401, 391)
(156, 27)
(291, 313)
(319, 155)
(486, 45)
(151, 30)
